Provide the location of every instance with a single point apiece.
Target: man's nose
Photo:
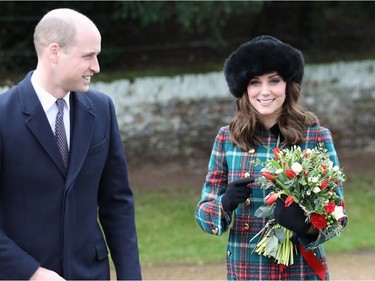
(95, 65)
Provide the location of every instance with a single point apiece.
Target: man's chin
(83, 89)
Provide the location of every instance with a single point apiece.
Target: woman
(264, 75)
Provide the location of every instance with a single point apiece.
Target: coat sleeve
(116, 208)
(209, 213)
(15, 263)
(324, 136)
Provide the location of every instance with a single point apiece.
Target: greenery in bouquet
(308, 178)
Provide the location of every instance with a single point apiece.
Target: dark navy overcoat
(50, 217)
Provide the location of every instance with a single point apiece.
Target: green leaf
(264, 211)
(280, 234)
(271, 246)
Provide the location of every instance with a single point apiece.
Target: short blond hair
(58, 26)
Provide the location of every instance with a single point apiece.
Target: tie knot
(60, 104)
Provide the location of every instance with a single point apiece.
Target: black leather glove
(237, 192)
(292, 217)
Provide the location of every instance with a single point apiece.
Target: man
(53, 213)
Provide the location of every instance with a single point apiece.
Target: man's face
(79, 62)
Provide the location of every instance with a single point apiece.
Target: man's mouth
(87, 77)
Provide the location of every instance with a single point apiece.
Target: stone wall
(170, 118)
(343, 96)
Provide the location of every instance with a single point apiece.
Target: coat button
(215, 231)
(229, 253)
(246, 226)
(251, 151)
(248, 202)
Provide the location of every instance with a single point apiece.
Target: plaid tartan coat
(229, 163)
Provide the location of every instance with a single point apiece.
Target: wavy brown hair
(245, 125)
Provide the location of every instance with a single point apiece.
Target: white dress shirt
(49, 105)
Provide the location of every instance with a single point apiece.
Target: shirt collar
(274, 130)
(46, 99)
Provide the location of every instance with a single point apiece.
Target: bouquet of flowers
(308, 178)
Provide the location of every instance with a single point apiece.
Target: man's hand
(45, 274)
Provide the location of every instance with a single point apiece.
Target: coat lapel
(37, 122)
(82, 124)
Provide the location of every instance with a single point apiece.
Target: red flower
(276, 152)
(342, 204)
(268, 176)
(289, 201)
(324, 183)
(324, 169)
(318, 221)
(330, 207)
(290, 173)
(270, 198)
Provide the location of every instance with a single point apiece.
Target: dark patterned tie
(60, 132)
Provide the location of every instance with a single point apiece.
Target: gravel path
(358, 266)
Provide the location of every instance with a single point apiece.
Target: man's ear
(54, 52)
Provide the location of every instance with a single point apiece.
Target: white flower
(279, 171)
(338, 213)
(336, 168)
(316, 189)
(314, 179)
(297, 168)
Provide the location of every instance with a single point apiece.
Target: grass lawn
(168, 232)
(359, 200)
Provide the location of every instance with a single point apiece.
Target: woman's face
(267, 95)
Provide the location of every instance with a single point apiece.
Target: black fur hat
(261, 55)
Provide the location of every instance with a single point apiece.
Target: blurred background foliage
(194, 35)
